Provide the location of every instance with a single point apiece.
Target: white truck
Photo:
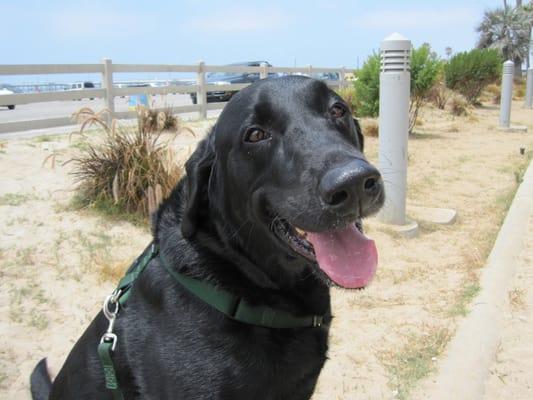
(7, 89)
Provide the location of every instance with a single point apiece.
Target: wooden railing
(108, 92)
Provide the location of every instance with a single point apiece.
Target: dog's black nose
(352, 187)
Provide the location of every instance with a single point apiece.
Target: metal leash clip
(111, 316)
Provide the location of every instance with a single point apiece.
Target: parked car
(8, 89)
(229, 78)
(323, 76)
(81, 86)
(326, 76)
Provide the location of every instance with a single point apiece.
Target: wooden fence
(109, 91)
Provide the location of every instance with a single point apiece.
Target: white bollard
(529, 88)
(507, 94)
(394, 94)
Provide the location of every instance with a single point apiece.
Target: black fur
(40, 381)
(216, 226)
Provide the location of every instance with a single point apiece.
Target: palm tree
(507, 29)
(528, 10)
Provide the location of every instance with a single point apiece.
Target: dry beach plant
(133, 168)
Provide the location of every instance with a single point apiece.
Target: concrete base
(441, 216)
(409, 230)
(513, 129)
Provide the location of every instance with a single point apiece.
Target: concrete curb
(465, 367)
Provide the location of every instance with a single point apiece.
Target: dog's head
(283, 180)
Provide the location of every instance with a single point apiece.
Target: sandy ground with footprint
(57, 264)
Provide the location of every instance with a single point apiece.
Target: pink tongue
(348, 257)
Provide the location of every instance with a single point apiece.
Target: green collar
(240, 309)
(232, 306)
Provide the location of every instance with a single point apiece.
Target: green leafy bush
(425, 68)
(469, 72)
(367, 88)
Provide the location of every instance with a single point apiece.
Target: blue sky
(321, 33)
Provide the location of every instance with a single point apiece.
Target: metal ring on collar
(111, 299)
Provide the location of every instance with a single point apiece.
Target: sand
(57, 264)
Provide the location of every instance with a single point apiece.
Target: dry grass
(517, 299)
(151, 121)
(134, 168)
(370, 127)
(458, 106)
(15, 199)
(415, 360)
(111, 271)
(439, 95)
(453, 128)
(348, 95)
(519, 89)
(493, 89)
(491, 94)
(463, 300)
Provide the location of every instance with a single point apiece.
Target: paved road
(57, 109)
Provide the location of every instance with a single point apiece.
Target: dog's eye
(254, 135)
(337, 111)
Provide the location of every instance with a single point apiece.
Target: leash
(117, 299)
(234, 307)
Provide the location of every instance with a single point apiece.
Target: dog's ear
(198, 169)
(360, 137)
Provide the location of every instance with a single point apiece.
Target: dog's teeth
(301, 232)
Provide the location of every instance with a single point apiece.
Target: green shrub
(425, 68)
(469, 72)
(367, 88)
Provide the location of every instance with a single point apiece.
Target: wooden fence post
(107, 83)
(343, 77)
(263, 74)
(201, 95)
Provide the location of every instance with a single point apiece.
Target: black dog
(269, 211)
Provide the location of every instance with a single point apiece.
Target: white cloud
(395, 20)
(239, 21)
